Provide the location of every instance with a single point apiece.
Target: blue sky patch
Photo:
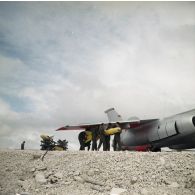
(18, 104)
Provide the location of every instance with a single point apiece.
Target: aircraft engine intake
(193, 120)
(188, 124)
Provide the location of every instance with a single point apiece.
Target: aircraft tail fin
(112, 115)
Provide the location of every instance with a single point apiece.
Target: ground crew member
(85, 138)
(95, 136)
(22, 145)
(102, 137)
(107, 138)
(117, 140)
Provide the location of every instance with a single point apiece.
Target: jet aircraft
(176, 132)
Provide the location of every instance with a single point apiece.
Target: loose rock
(40, 178)
(117, 191)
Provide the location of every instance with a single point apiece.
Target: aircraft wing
(134, 123)
(124, 124)
(79, 127)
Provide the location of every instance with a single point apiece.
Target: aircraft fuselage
(174, 131)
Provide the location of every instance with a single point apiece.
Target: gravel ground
(87, 173)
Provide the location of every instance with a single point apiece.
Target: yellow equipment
(88, 136)
(58, 148)
(112, 131)
(46, 137)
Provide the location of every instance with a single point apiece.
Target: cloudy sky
(66, 62)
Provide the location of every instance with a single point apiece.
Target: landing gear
(155, 149)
